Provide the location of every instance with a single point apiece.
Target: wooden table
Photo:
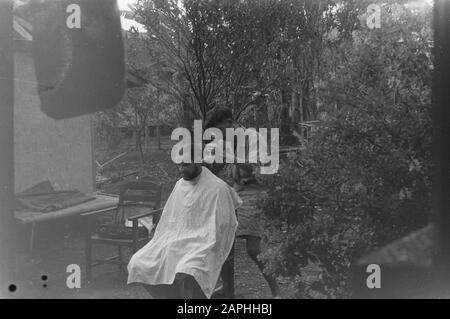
(101, 201)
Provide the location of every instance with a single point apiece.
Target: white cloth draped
(194, 235)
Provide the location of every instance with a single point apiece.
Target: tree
(365, 178)
(134, 110)
(207, 53)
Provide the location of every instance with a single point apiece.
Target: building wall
(44, 148)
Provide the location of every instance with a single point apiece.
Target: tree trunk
(285, 130)
(146, 137)
(293, 105)
(187, 116)
(300, 113)
(305, 102)
(140, 149)
(158, 134)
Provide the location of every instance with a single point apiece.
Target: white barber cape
(194, 235)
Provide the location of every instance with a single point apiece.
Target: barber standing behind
(250, 191)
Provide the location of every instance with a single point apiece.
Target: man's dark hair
(192, 147)
(217, 115)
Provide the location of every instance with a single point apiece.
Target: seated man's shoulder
(218, 183)
(226, 189)
(178, 182)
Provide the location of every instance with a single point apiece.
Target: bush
(365, 177)
(342, 197)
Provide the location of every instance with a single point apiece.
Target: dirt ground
(60, 243)
(64, 247)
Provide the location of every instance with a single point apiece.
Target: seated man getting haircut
(192, 239)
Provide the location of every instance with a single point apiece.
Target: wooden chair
(141, 195)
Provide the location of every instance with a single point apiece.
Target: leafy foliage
(364, 179)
